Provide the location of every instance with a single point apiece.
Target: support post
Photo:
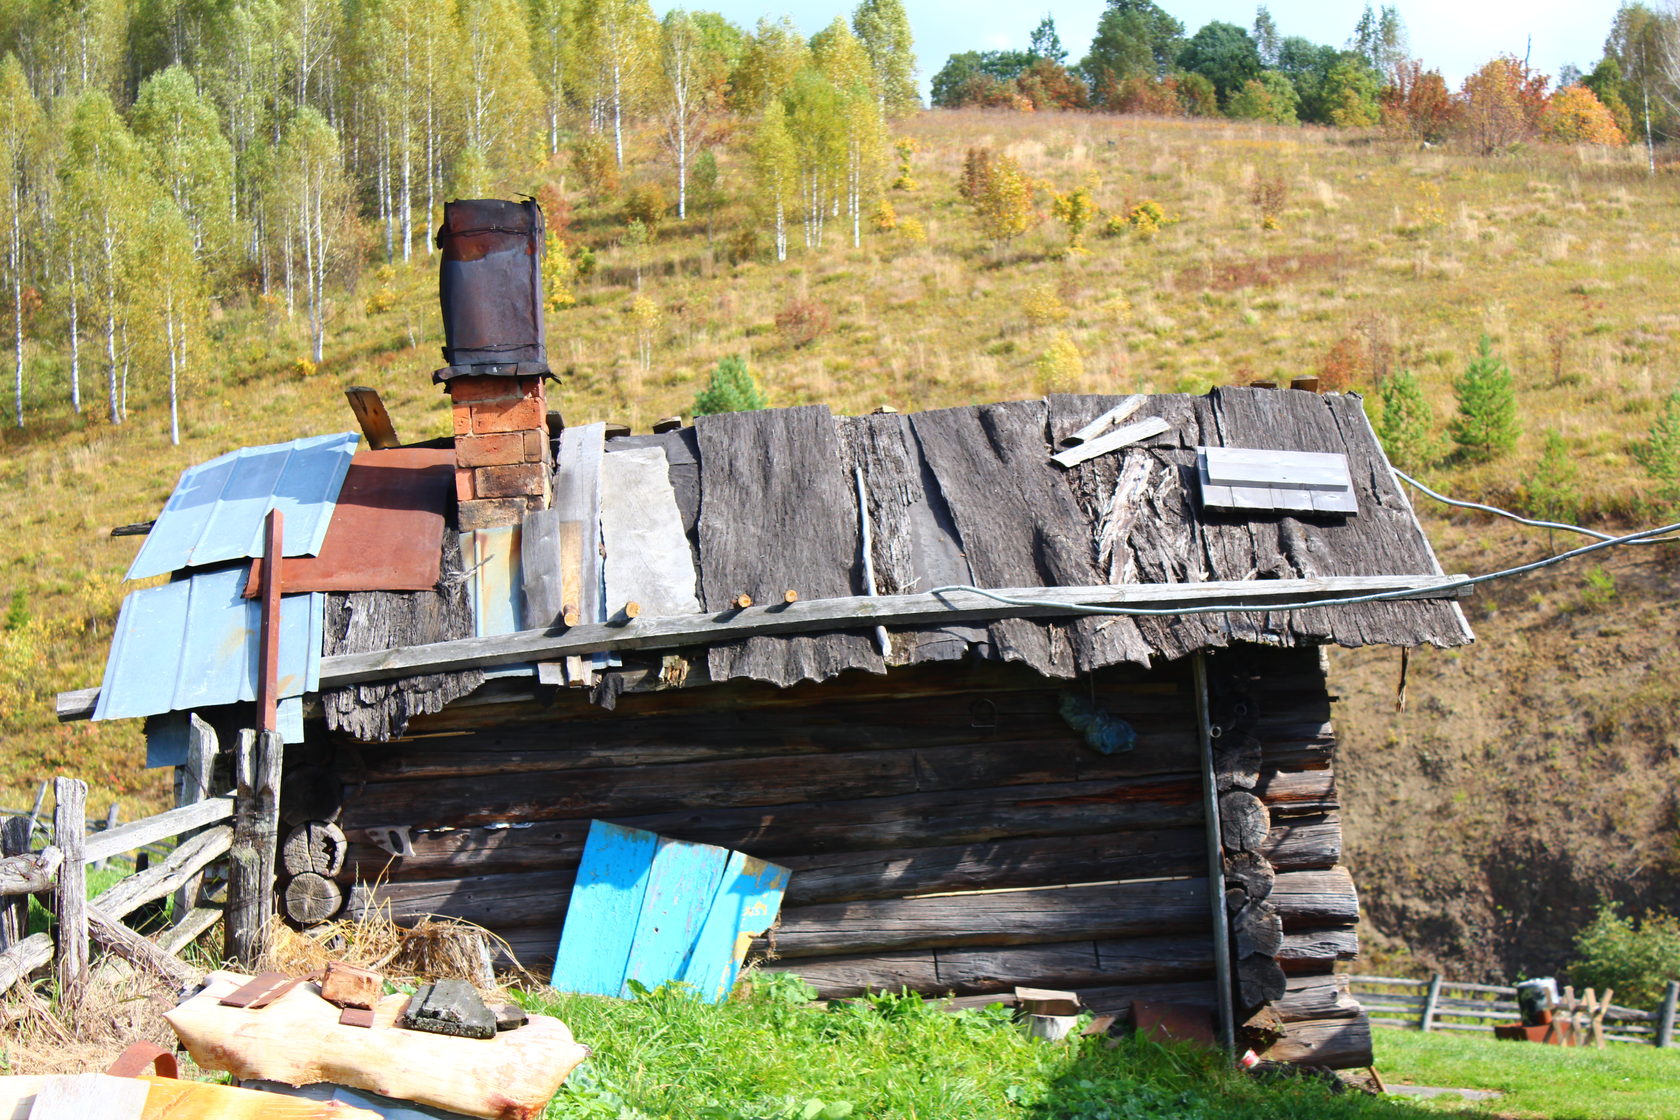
(192, 785)
(70, 897)
(1665, 1017)
(112, 816)
(1216, 863)
(1431, 997)
(268, 649)
(15, 835)
(256, 826)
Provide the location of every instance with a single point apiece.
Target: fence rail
(1438, 1004)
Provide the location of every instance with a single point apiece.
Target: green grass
(775, 1057)
(1620, 1082)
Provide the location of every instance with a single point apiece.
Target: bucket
(1535, 998)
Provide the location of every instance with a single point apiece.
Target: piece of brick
(490, 513)
(464, 484)
(523, 414)
(514, 481)
(537, 447)
(510, 1017)
(351, 985)
(494, 450)
(462, 417)
(355, 1017)
(470, 390)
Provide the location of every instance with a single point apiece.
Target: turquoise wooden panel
(605, 910)
(745, 905)
(681, 886)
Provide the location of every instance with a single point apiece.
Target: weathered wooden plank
(778, 512)
(1116, 415)
(29, 955)
(683, 880)
(124, 942)
(185, 863)
(188, 927)
(90, 1094)
(163, 826)
(601, 926)
(1308, 899)
(816, 615)
(16, 837)
(1110, 441)
(193, 780)
(370, 412)
(649, 561)
(748, 898)
(70, 896)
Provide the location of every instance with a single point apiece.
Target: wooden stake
(14, 911)
(1431, 998)
(69, 833)
(790, 596)
(741, 602)
(371, 415)
(268, 651)
(1665, 1016)
(256, 827)
(192, 786)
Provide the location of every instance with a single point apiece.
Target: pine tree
(1550, 493)
(1407, 427)
(1045, 43)
(731, 389)
(1486, 425)
(1659, 454)
(884, 28)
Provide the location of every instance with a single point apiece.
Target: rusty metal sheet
(490, 288)
(386, 532)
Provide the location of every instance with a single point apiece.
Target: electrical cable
(1344, 601)
(1462, 504)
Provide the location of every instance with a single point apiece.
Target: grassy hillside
(1288, 251)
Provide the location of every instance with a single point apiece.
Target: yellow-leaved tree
(1575, 115)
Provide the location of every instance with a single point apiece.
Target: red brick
(510, 481)
(524, 414)
(472, 390)
(464, 484)
(536, 447)
(489, 513)
(493, 450)
(463, 419)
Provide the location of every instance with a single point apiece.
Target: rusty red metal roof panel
(386, 532)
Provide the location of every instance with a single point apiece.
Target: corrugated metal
(216, 512)
(193, 644)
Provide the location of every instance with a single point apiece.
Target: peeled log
(1307, 899)
(1250, 871)
(31, 873)
(1243, 821)
(1310, 950)
(1334, 1043)
(312, 899)
(317, 846)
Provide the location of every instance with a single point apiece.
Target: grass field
(1379, 256)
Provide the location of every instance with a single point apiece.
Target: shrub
(1144, 219)
(559, 269)
(1059, 367)
(585, 257)
(1043, 307)
(885, 218)
(1407, 427)
(595, 166)
(1269, 196)
(743, 245)
(802, 320)
(912, 231)
(1076, 210)
(1486, 425)
(1002, 199)
(905, 147)
(1344, 365)
(646, 204)
(645, 316)
(1637, 959)
(977, 171)
(731, 389)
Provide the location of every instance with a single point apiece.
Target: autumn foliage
(1501, 104)
(1573, 115)
(1417, 105)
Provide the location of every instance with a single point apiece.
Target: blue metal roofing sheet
(192, 644)
(216, 512)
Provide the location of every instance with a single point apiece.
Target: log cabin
(1011, 715)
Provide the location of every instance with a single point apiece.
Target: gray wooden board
(88, 1096)
(577, 497)
(915, 542)
(778, 512)
(648, 560)
(366, 621)
(1020, 525)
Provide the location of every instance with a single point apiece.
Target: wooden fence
(238, 828)
(1439, 1004)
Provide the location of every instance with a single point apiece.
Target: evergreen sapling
(1486, 425)
(731, 389)
(1407, 425)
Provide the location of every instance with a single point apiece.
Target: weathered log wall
(894, 800)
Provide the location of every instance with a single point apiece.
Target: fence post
(193, 780)
(1430, 999)
(1665, 1018)
(70, 896)
(15, 835)
(256, 827)
(112, 815)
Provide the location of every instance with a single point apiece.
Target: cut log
(186, 862)
(1308, 899)
(1339, 1043)
(1251, 872)
(1259, 981)
(30, 873)
(1243, 821)
(312, 899)
(1320, 995)
(1258, 930)
(1311, 949)
(250, 906)
(314, 846)
(1236, 762)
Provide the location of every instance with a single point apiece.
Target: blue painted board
(682, 884)
(746, 904)
(605, 908)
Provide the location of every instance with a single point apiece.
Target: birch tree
(687, 72)
(816, 121)
(502, 95)
(170, 293)
(620, 48)
(772, 56)
(776, 167)
(20, 122)
(315, 213)
(884, 28)
(553, 58)
(179, 132)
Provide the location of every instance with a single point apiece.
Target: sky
(1453, 36)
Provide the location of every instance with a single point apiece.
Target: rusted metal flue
(490, 289)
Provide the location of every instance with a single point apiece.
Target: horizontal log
(30, 872)
(967, 972)
(1308, 950)
(1334, 1043)
(29, 955)
(149, 830)
(1309, 899)
(957, 816)
(162, 879)
(860, 612)
(1116, 999)
(78, 703)
(1316, 996)
(1288, 792)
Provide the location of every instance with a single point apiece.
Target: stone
(449, 1007)
(510, 1016)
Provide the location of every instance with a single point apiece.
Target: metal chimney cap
(490, 289)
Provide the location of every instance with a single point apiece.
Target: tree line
(159, 155)
(1141, 61)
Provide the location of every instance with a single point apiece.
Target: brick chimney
(490, 289)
